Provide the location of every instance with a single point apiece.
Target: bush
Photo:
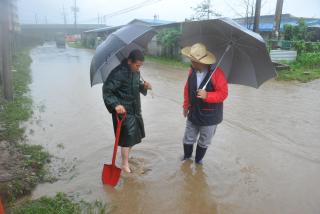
(306, 68)
(60, 204)
(169, 39)
(310, 60)
(306, 47)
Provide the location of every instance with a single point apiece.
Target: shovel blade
(110, 175)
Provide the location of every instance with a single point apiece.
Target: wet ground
(265, 156)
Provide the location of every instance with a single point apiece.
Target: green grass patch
(27, 161)
(299, 74)
(35, 156)
(168, 61)
(76, 44)
(20, 109)
(305, 69)
(60, 204)
(29, 169)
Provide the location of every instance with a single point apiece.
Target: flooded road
(265, 156)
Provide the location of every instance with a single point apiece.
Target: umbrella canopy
(117, 47)
(243, 54)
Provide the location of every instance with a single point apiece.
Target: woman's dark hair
(136, 55)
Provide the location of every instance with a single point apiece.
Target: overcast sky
(171, 10)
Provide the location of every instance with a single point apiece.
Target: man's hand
(185, 112)
(120, 109)
(147, 85)
(202, 94)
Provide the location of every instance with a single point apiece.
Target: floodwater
(265, 156)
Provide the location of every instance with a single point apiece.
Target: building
(35, 33)
(266, 23)
(92, 38)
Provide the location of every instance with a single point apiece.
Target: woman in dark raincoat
(121, 94)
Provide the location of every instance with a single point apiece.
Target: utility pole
(208, 14)
(36, 18)
(64, 16)
(277, 20)
(247, 16)
(75, 10)
(104, 20)
(5, 15)
(257, 16)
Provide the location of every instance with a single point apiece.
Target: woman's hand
(120, 109)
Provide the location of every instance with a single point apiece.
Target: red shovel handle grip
(122, 118)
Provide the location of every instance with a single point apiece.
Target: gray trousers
(200, 134)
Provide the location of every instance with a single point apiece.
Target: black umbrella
(117, 47)
(242, 53)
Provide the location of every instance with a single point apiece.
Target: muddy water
(265, 157)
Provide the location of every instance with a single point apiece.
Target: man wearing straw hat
(205, 90)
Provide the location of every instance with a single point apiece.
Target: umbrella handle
(118, 131)
(218, 64)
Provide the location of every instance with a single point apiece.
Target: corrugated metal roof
(151, 22)
(104, 29)
(156, 21)
(266, 22)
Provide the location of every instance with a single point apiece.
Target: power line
(127, 10)
(131, 8)
(234, 10)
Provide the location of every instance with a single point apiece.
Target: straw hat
(198, 53)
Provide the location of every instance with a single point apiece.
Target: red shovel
(111, 173)
(1, 207)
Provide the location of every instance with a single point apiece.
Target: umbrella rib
(222, 44)
(240, 38)
(142, 34)
(231, 33)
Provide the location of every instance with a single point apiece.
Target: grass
(76, 44)
(305, 69)
(60, 204)
(20, 109)
(29, 160)
(168, 61)
(30, 170)
(299, 74)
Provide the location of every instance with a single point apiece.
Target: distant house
(155, 48)
(92, 38)
(266, 23)
(151, 22)
(31, 33)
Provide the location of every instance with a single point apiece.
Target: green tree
(288, 32)
(169, 39)
(299, 32)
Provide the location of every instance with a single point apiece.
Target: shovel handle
(122, 119)
(118, 131)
